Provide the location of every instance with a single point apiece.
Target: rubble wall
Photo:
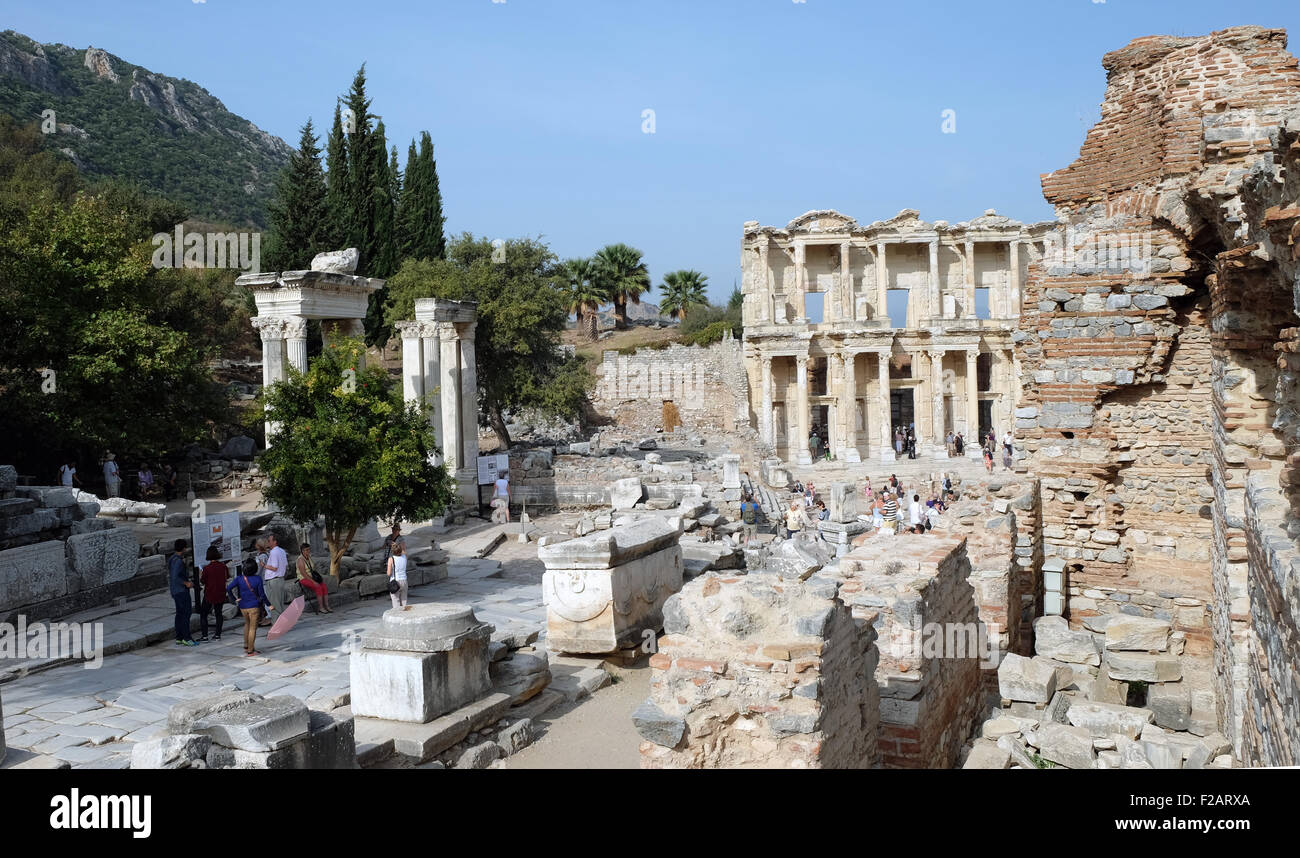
(1175, 270)
(707, 384)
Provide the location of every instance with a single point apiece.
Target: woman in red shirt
(214, 576)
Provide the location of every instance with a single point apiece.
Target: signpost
(489, 468)
(220, 529)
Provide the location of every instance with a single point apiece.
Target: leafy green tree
(298, 210)
(350, 449)
(522, 310)
(680, 289)
(623, 275)
(586, 295)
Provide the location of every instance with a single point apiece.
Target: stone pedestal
(774, 474)
(843, 505)
(730, 471)
(603, 592)
(840, 534)
(422, 662)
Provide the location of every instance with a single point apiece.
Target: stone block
(261, 725)
(626, 493)
(1137, 634)
(1066, 745)
(170, 752)
(517, 736)
(32, 573)
(655, 725)
(1171, 704)
(182, 718)
(843, 507)
(1029, 680)
(1053, 638)
(1108, 719)
(102, 557)
(985, 754)
(1143, 667)
(521, 675)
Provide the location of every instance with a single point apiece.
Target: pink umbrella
(287, 618)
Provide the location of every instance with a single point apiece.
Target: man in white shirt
(68, 473)
(112, 481)
(914, 510)
(273, 576)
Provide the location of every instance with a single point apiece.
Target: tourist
(823, 514)
(1007, 449)
(213, 579)
(914, 511)
(179, 584)
(749, 518)
(809, 495)
(911, 440)
(310, 580)
(277, 564)
(112, 478)
(890, 513)
(898, 442)
(397, 571)
(893, 482)
(501, 489)
(814, 443)
(794, 520)
(252, 599)
(393, 538)
(949, 444)
(866, 490)
(960, 443)
(263, 548)
(988, 460)
(145, 479)
(878, 512)
(68, 474)
(168, 482)
(1006, 458)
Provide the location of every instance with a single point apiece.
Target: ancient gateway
(857, 331)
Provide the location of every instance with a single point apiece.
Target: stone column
(801, 281)
(834, 364)
(847, 310)
(882, 283)
(1012, 310)
(1007, 402)
(849, 410)
(801, 443)
(412, 361)
(971, 432)
(936, 390)
(272, 331)
(767, 418)
(968, 294)
(449, 346)
(467, 476)
(936, 308)
(885, 416)
(768, 312)
(431, 378)
(295, 331)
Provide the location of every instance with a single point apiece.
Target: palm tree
(586, 294)
(623, 276)
(680, 289)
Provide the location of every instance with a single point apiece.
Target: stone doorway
(901, 410)
(986, 417)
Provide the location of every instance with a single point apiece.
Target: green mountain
(115, 119)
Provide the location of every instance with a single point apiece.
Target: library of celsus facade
(857, 331)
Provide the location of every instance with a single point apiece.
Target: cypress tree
(435, 240)
(298, 211)
(338, 195)
(420, 214)
(360, 148)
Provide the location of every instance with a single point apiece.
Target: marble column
(849, 409)
(971, 432)
(937, 428)
(431, 358)
(801, 281)
(768, 313)
(412, 361)
(1012, 310)
(882, 284)
(834, 372)
(449, 347)
(767, 418)
(968, 293)
(467, 477)
(1007, 400)
(801, 443)
(271, 329)
(847, 310)
(295, 332)
(885, 417)
(936, 307)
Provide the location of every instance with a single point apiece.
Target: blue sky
(763, 109)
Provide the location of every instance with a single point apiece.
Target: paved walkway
(91, 717)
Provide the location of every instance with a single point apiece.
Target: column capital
(269, 327)
(801, 361)
(295, 327)
(935, 353)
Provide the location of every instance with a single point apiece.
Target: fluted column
(431, 378)
(968, 293)
(847, 310)
(801, 281)
(801, 443)
(768, 313)
(295, 332)
(468, 476)
(412, 361)
(449, 347)
(882, 284)
(972, 403)
(767, 418)
(271, 329)
(1012, 310)
(936, 390)
(885, 418)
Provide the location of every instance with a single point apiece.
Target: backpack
(748, 513)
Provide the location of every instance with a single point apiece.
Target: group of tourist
(258, 589)
(149, 485)
(905, 440)
(893, 509)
